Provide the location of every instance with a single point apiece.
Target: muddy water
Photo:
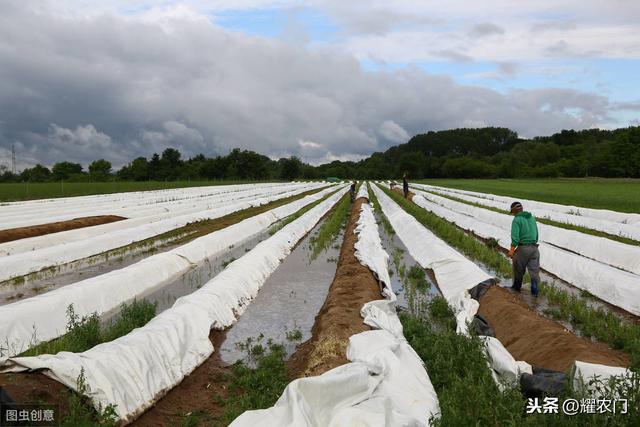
(410, 296)
(49, 280)
(199, 275)
(288, 301)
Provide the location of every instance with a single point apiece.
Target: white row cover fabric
(66, 252)
(362, 191)
(588, 376)
(160, 212)
(631, 231)
(130, 205)
(455, 275)
(603, 214)
(134, 371)
(385, 384)
(368, 248)
(45, 314)
(610, 284)
(607, 251)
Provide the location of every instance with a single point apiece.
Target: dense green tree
(137, 170)
(154, 167)
(64, 170)
(100, 170)
(290, 168)
(38, 173)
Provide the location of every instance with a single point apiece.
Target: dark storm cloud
(485, 29)
(106, 86)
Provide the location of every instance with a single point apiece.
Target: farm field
(10, 192)
(600, 193)
(266, 304)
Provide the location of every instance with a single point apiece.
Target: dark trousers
(527, 257)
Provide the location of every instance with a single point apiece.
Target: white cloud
(393, 132)
(309, 145)
(123, 86)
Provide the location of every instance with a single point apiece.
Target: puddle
(288, 301)
(49, 280)
(413, 286)
(196, 277)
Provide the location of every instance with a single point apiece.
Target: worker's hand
(512, 252)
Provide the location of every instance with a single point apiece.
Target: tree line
(169, 166)
(458, 153)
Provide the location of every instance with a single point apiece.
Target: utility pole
(13, 158)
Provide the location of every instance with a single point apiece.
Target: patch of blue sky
(616, 78)
(273, 22)
(255, 22)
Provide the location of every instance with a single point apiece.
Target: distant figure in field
(405, 186)
(524, 248)
(352, 190)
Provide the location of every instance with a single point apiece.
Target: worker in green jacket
(524, 248)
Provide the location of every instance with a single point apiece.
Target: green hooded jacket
(524, 229)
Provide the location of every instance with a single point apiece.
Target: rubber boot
(517, 284)
(534, 287)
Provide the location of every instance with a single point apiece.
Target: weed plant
(468, 395)
(330, 228)
(82, 413)
(86, 332)
(256, 387)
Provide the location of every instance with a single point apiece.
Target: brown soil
(399, 191)
(339, 318)
(34, 387)
(197, 393)
(537, 340)
(12, 234)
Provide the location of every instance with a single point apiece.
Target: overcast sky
(323, 80)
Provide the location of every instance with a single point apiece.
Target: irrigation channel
(285, 308)
(283, 313)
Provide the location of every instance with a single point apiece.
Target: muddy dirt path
(12, 234)
(339, 318)
(538, 340)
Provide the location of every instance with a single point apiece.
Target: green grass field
(616, 194)
(44, 190)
